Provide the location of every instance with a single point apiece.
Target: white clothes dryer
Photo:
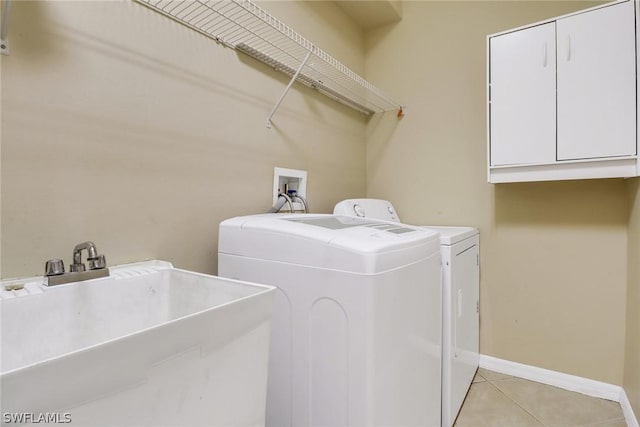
(356, 331)
(460, 300)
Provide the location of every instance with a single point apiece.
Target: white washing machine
(460, 301)
(356, 333)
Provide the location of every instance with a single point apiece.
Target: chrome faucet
(94, 260)
(54, 268)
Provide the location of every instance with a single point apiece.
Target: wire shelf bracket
(293, 79)
(4, 27)
(244, 26)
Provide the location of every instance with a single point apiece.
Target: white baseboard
(556, 379)
(627, 410)
(564, 381)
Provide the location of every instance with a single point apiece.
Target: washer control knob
(390, 209)
(358, 210)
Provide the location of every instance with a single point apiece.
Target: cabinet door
(522, 96)
(597, 83)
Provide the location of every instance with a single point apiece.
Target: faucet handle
(97, 263)
(54, 267)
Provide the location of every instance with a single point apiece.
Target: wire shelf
(244, 26)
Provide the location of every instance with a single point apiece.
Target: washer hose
(282, 199)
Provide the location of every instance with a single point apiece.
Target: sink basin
(149, 345)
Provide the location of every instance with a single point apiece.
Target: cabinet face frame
(612, 167)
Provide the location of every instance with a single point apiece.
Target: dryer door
(465, 319)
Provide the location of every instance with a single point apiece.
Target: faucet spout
(95, 260)
(90, 247)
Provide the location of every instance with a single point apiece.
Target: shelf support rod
(293, 79)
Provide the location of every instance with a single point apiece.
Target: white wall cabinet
(563, 98)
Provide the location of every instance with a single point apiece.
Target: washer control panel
(357, 209)
(367, 208)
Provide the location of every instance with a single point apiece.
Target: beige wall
(632, 355)
(125, 128)
(122, 127)
(553, 272)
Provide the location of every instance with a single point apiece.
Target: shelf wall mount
(4, 27)
(244, 26)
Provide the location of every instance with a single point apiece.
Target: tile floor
(497, 400)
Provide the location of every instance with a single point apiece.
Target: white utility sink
(150, 345)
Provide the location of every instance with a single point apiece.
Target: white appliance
(356, 332)
(460, 301)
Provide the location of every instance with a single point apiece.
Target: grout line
(517, 404)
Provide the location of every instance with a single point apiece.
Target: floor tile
(491, 376)
(478, 378)
(486, 406)
(620, 422)
(555, 407)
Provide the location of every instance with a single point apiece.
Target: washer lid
(327, 241)
(452, 235)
